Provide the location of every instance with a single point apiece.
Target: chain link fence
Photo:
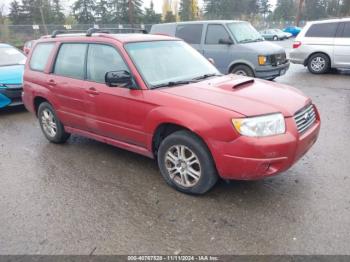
(17, 35)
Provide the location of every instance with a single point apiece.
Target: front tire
(275, 38)
(50, 125)
(319, 64)
(186, 163)
(242, 70)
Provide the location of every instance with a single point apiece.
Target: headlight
(260, 126)
(262, 60)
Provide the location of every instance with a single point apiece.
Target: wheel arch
(37, 101)
(241, 62)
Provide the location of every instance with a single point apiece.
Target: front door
(212, 48)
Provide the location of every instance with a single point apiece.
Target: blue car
(11, 75)
(294, 30)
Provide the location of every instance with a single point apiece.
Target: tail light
(296, 44)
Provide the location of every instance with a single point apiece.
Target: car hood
(246, 96)
(263, 48)
(11, 74)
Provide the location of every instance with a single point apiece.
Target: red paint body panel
(129, 118)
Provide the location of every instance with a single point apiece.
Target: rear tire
(242, 70)
(186, 163)
(319, 64)
(51, 126)
(275, 38)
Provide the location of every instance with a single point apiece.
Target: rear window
(40, 56)
(70, 61)
(191, 34)
(322, 30)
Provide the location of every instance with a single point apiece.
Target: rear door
(221, 53)
(191, 34)
(67, 82)
(342, 46)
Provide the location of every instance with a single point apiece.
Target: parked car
(11, 73)
(271, 34)
(235, 46)
(286, 34)
(323, 45)
(27, 46)
(157, 96)
(294, 30)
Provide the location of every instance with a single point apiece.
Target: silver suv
(235, 46)
(323, 45)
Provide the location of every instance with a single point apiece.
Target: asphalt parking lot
(86, 197)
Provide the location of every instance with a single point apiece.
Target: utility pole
(131, 18)
(43, 20)
(300, 9)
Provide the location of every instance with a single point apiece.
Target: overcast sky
(157, 4)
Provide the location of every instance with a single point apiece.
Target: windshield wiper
(173, 83)
(205, 76)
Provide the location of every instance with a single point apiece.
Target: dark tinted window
(322, 30)
(71, 60)
(346, 32)
(191, 34)
(40, 56)
(103, 59)
(215, 33)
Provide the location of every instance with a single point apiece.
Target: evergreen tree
(188, 10)
(264, 7)
(315, 9)
(285, 10)
(102, 11)
(169, 17)
(83, 11)
(15, 14)
(57, 14)
(127, 11)
(151, 17)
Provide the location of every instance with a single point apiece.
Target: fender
(240, 61)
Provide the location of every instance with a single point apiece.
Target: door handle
(92, 91)
(51, 82)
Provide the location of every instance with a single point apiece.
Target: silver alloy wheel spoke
(49, 123)
(183, 166)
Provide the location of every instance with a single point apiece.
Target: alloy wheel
(48, 123)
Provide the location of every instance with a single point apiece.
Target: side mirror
(227, 41)
(211, 60)
(119, 78)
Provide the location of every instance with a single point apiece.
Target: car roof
(205, 22)
(4, 45)
(122, 38)
(347, 19)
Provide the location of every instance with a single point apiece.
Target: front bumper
(248, 158)
(11, 95)
(271, 72)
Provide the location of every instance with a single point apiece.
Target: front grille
(278, 59)
(305, 118)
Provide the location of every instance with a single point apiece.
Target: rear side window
(346, 32)
(215, 33)
(40, 56)
(322, 30)
(103, 59)
(191, 34)
(70, 61)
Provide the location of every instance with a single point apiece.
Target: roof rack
(91, 31)
(60, 32)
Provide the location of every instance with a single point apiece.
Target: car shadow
(12, 110)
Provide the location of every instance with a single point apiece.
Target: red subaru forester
(157, 96)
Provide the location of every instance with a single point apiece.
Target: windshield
(11, 56)
(244, 32)
(162, 62)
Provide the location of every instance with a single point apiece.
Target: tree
(151, 17)
(188, 10)
(127, 11)
(57, 15)
(15, 15)
(264, 7)
(229, 9)
(102, 11)
(169, 17)
(315, 9)
(83, 11)
(285, 10)
(345, 8)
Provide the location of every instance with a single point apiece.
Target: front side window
(11, 56)
(244, 32)
(322, 30)
(161, 62)
(40, 56)
(70, 61)
(191, 34)
(215, 33)
(102, 59)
